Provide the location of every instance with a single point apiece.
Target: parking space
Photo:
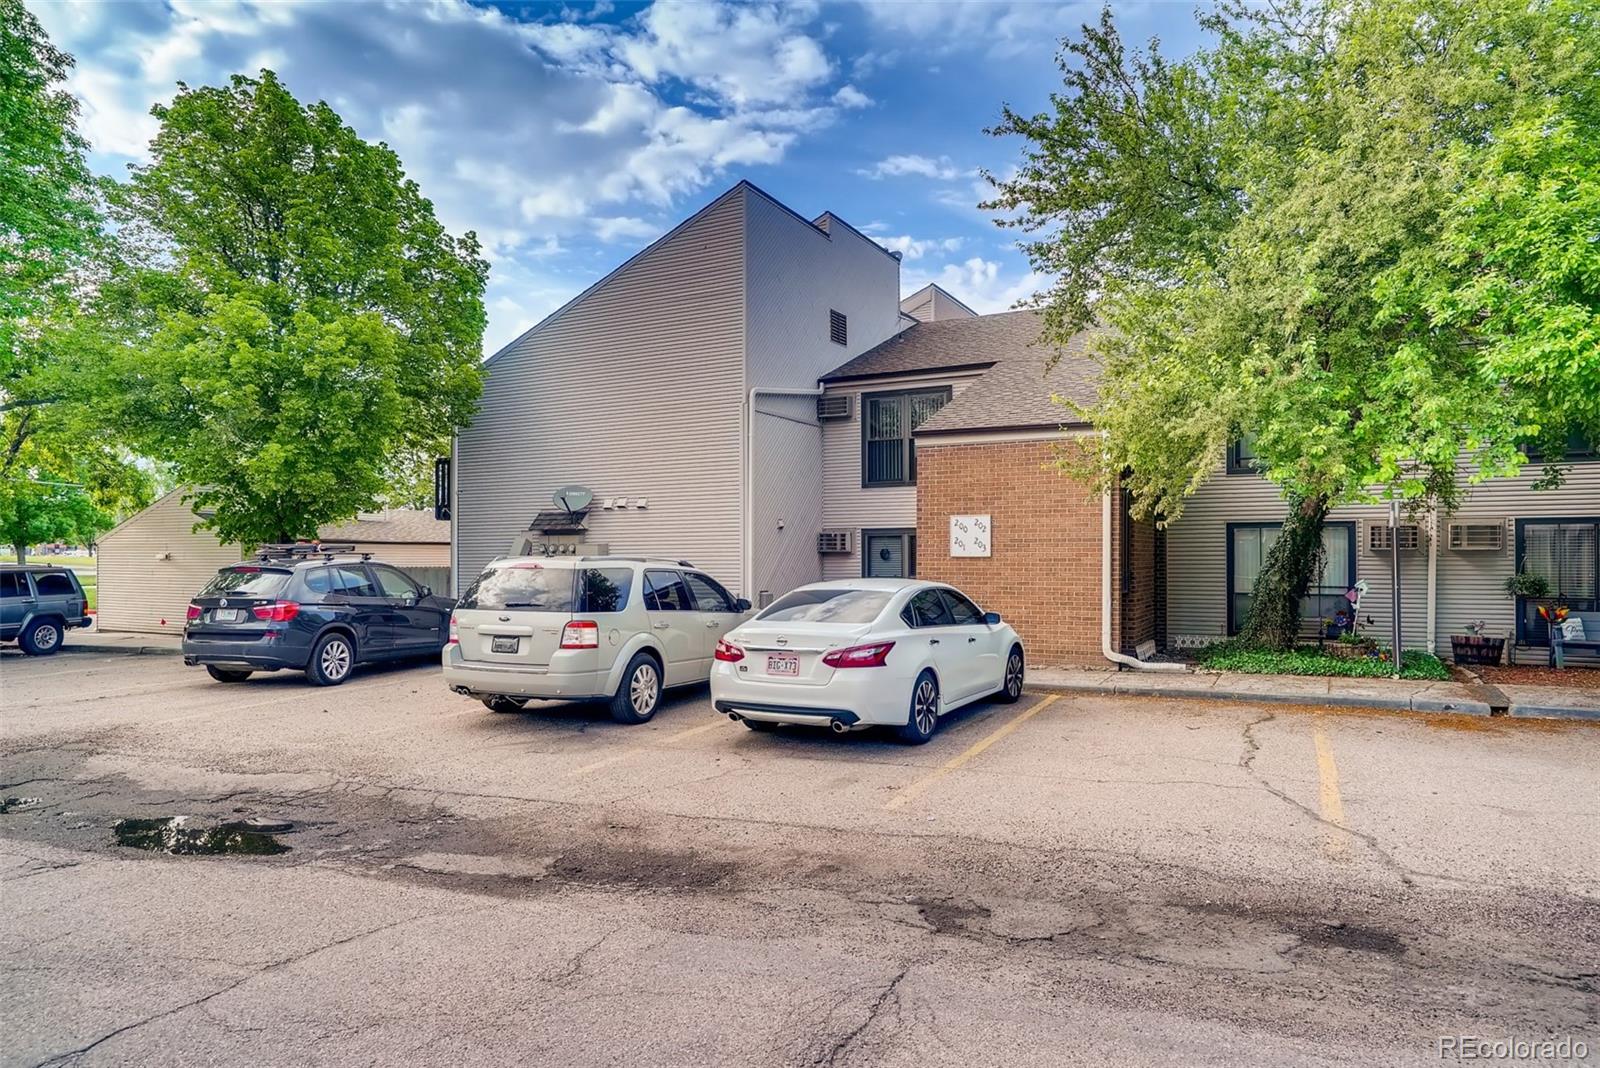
(1158, 867)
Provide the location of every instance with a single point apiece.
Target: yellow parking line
(1328, 798)
(916, 789)
(635, 751)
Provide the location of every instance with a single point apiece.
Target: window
(888, 553)
(606, 589)
(928, 609)
(11, 584)
(1242, 456)
(962, 611)
(888, 454)
(1566, 552)
(352, 580)
(247, 582)
(664, 591)
(396, 585)
(709, 596)
(827, 606)
(530, 586)
(1578, 448)
(838, 328)
(1248, 544)
(53, 584)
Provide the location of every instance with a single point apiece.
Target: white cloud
(997, 29)
(914, 249)
(849, 96)
(625, 228)
(541, 136)
(919, 166)
(978, 283)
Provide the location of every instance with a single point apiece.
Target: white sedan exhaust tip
(839, 727)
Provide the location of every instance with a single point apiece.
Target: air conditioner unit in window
(1410, 536)
(1478, 535)
(836, 541)
(834, 406)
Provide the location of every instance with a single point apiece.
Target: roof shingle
(396, 526)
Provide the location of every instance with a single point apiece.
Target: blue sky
(570, 135)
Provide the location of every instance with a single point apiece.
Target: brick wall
(1044, 575)
(1137, 620)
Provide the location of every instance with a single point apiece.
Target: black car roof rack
(300, 550)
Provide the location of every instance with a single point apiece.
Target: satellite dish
(573, 499)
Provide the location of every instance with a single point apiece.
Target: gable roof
(396, 526)
(928, 305)
(944, 345)
(1015, 394)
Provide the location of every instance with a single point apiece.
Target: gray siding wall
(136, 590)
(795, 276)
(635, 389)
(845, 502)
(1468, 583)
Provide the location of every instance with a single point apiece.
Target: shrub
(1235, 656)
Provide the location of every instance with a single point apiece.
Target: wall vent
(836, 541)
(1410, 536)
(834, 406)
(1478, 535)
(838, 328)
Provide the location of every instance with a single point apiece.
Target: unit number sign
(969, 535)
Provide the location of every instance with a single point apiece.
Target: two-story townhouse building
(750, 393)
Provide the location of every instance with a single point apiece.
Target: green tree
(1359, 231)
(290, 318)
(60, 477)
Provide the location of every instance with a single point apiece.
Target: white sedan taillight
(859, 656)
(581, 634)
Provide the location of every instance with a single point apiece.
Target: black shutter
(441, 488)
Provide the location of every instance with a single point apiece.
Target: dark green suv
(38, 603)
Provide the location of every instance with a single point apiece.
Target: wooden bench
(1559, 644)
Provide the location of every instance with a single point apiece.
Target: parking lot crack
(887, 997)
(275, 966)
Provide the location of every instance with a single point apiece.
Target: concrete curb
(78, 645)
(1419, 702)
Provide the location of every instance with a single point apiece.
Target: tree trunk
(1294, 560)
(22, 553)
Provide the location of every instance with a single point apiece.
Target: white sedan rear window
(827, 606)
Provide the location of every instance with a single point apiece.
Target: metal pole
(1394, 564)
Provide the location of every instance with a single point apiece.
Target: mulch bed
(1573, 678)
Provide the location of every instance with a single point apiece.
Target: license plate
(505, 645)
(783, 665)
(227, 615)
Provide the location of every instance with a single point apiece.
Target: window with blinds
(888, 453)
(1566, 552)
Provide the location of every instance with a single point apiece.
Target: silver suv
(587, 628)
(37, 605)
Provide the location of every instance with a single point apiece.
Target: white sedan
(865, 652)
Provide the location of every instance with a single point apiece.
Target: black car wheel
(1011, 688)
(332, 659)
(225, 675)
(41, 638)
(499, 702)
(922, 718)
(639, 693)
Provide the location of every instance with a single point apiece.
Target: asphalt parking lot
(1068, 880)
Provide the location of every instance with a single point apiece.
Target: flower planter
(1350, 650)
(1477, 649)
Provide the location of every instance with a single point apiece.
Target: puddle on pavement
(174, 835)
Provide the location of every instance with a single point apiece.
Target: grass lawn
(1231, 656)
(59, 561)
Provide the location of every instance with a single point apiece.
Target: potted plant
(1476, 647)
(1352, 646)
(1528, 589)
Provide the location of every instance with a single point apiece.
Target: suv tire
(922, 718)
(226, 675)
(639, 694)
(42, 637)
(499, 702)
(332, 659)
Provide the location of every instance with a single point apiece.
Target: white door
(947, 644)
(980, 642)
(676, 625)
